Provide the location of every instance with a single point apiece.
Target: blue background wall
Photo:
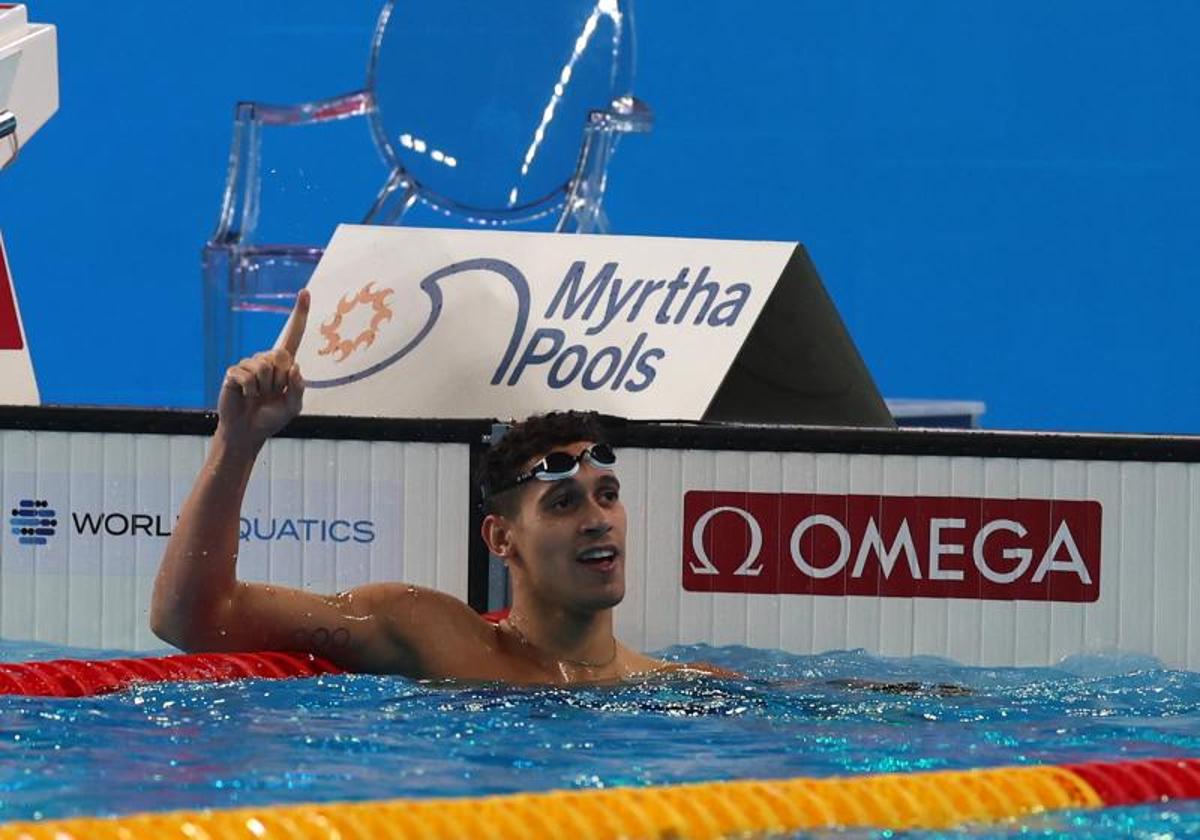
(1001, 196)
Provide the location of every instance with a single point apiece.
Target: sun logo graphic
(33, 522)
(342, 348)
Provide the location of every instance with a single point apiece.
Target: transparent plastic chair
(474, 114)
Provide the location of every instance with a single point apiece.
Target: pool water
(353, 738)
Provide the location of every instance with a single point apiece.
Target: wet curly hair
(536, 435)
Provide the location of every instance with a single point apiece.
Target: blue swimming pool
(353, 738)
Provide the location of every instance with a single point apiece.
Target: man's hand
(262, 394)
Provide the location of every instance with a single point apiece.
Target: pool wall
(1107, 522)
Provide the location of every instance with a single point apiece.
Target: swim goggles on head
(559, 465)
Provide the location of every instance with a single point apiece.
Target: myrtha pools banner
(412, 322)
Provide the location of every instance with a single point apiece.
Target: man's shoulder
(393, 597)
(705, 668)
(420, 632)
(639, 663)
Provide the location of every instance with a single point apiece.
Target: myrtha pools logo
(591, 299)
(33, 522)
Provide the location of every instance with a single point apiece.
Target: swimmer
(553, 514)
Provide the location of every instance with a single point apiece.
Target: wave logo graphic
(33, 521)
(431, 286)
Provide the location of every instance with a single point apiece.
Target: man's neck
(573, 637)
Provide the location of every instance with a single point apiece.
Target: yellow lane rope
(700, 811)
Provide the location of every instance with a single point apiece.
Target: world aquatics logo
(33, 522)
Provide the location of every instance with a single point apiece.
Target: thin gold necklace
(583, 663)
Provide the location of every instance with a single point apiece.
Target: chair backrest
(484, 113)
(482, 105)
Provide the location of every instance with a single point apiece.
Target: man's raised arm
(199, 604)
(194, 593)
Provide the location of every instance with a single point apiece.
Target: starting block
(28, 98)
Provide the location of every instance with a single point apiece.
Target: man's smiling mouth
(603, 555)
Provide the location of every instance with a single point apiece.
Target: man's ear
(497, 533)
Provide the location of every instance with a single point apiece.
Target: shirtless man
(553, 514)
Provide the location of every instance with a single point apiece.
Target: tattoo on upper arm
(321, 638)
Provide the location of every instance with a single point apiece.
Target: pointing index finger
(289, 340)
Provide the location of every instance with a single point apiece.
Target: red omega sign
(891, 546)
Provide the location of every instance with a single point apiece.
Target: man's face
(569, 537)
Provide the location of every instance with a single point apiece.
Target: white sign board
(409, 322)
(17, 384)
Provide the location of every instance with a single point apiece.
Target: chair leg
(218, 320)
(583, 211)
(393, 200)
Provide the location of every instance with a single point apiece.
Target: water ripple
(368, 737)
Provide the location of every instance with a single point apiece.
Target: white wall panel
(796, 612)
(896, 614)
(453, 516)
(931, 615)
(1068, 621)
(660, 565)
(765, 475)
(50, 605)
(964, 616)
(84, 570)
(351, 565)
(1135, 627)
(276, 485)
(387, 501)
(18, 563)
(695, 608)
(153, 486)
(1031, 638)
(1101, 621)
(118, 501)
(320, 502)
(864, 614)
(1192, 607)
(1168, 609)
(728, 611)
(630, 620)
(319, 514)
(998, 621)
(829, 612)
(420, 505)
